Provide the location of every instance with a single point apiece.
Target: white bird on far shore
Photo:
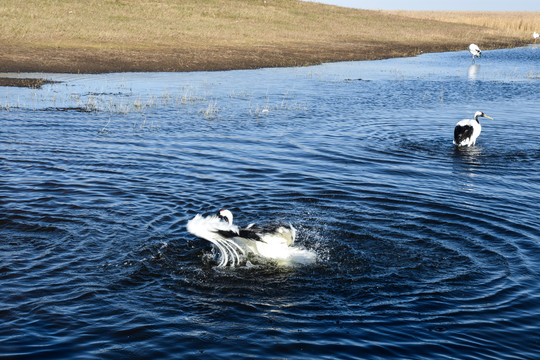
(475, 51)
(535, 36)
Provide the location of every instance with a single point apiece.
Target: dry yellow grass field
(171, 35)
(517, 23)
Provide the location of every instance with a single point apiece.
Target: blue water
(423, 251)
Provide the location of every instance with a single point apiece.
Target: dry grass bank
(172, 35)
(518, 23)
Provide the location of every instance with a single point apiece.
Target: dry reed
(518, 23)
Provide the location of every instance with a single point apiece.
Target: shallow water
(423, 251)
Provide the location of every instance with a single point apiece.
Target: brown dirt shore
(25, 82)
(90, 61)
(17, 59)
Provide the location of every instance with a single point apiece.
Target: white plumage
(535, 36)
(467, 131)
(475, 51)
(234, 242)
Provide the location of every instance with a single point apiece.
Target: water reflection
(468, 157)
(473, 72)
(467, 161)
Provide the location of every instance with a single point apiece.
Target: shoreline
(82, 61)
(218, 35)
(21, 59)
(32, 83)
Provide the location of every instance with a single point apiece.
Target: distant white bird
(475, 51)
(535, 36)
(468, 130)
(233, 241)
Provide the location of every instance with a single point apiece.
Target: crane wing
(462, 132)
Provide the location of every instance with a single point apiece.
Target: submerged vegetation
(122, 105)
(167, 35)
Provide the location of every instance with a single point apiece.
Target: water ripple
(423, 250)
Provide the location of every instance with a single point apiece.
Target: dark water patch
(77, 109)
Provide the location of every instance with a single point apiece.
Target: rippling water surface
(423, 251)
